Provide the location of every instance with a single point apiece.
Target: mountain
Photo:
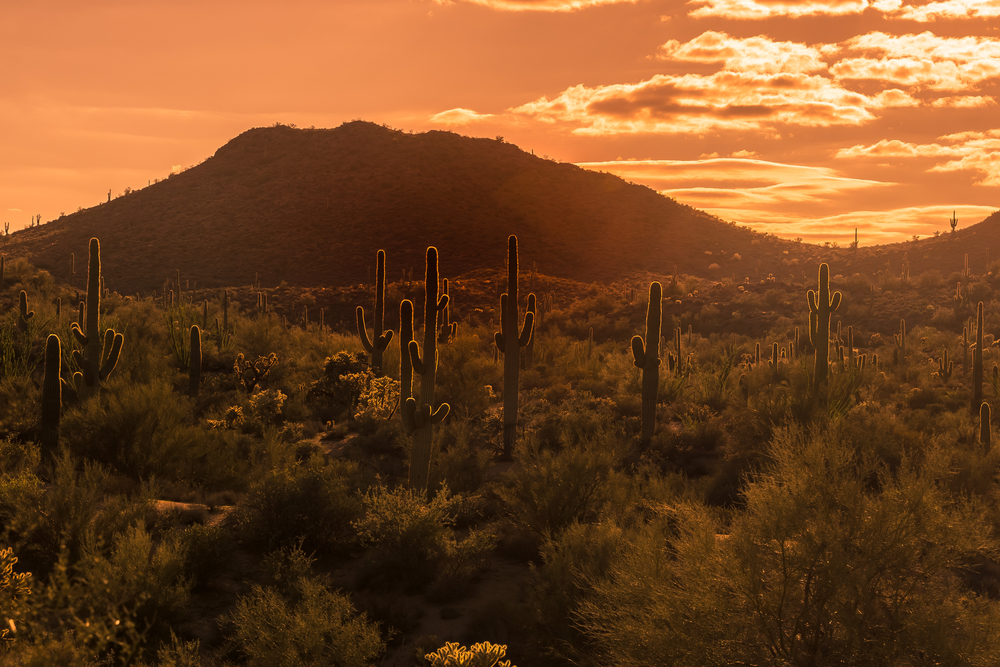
(312, 206)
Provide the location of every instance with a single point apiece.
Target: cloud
(924, 60)
(538, 5)
(459, 116)
(950, 9)
(753, 54)
(966, 151)
(765, 9)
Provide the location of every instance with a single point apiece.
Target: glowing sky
(805, 118)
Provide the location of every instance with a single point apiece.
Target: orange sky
(805, 118)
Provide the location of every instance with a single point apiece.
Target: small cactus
(23, 314)
(51, 395)
(945, 367)
(977, 361)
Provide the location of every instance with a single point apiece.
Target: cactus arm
(113, 353)
(638, 352)
(442, 302)
(415, 361)
(363, 330)
(384, 339)
(529, 322)
(498, 341)
(81, 338)
(811, 297)
(439, 415)
(408, 414)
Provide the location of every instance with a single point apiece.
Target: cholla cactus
(483, 654)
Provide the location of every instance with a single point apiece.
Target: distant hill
(312, 207)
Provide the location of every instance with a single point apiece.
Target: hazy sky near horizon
(806, 118)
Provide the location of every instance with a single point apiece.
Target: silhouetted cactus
(405, 367)
(448, 329)
(679, 367)
(985, 435)
(23, 314)
(821, 307)
(945, 367)
(977, 361)
(646, 355)
(899, 353)
(529, 349)
(51, 395)
(509, 342)
(744, 384)
(774, 361)
(194, 361)
(419, 418)
(377, 344)
(965, 350)
(98, 358)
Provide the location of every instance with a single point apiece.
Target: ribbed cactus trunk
(977, 362)
(985, 436)
(377, 344)
(646, 355)
(821, 307)
(509, 342)
(51, 395)
(405, 367)
(194, 361)
(99, 358)
(419, 417)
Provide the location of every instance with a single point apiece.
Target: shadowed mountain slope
(311, 207)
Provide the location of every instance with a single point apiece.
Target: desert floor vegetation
(264, 515)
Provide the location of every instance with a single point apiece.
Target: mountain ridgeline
(311, 207)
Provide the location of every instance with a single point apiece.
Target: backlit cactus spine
(509, 342)
(98, 358)
(977, 362)
(646, 355)
(376, 345)
(419, 418)
(51, 395)
(821, 307)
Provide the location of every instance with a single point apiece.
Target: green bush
(315, 500)
(314, 628)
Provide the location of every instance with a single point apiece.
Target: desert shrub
(549, 490)
(410, 538)
(315, 500)
(456, 461)
(663, 599)
(483, 654)
(332, 396)
(314, 627)
(465, 371)
(19, 401)
(207, 550)
(139, 429)
(836, 556)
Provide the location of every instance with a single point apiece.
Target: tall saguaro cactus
(509, 342)
(377, 344)
(405, 367)
(99, 358)
(647, 357)
(419, 417)
(821, 307)
(977, 362)
(194, 361)
(51, 395)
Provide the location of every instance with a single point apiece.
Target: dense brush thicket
(775, 513)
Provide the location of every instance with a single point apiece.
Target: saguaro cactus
(99, 358)
(985, 436)
(23, 315)
(51, 395)
(194, 361)
(509, 343)
(376, 345)
(977, 362)
(945, 366)
(419, 418)
(646, 355)
(529, 349)
(900, 340)
(448, 329)
(821, 307)
(405, 367)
